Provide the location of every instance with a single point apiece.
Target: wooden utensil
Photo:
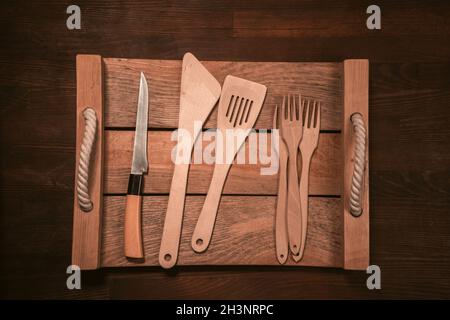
(281, 238)
(308, 145)
(291, 133)
(239, 106)
(133, 228)
(199, 94)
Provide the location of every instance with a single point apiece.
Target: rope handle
(357, 188)
(84, 200)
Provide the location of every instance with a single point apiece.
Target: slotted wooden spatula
(199, 94)
(239, 106)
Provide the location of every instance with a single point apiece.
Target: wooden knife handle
(170, 241)
(205, 223)
(133, 225)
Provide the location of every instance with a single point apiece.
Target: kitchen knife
(133, 229)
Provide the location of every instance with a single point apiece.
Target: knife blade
(133, 228)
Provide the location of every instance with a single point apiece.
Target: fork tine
(275, 118)
(289, 107)
(303, 111)
(314, 115)
(319, 106)
(307, 114)
(300, 111)
(294, 109)
(283, 109)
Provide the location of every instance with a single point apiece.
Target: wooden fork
(281, 237)
(308, 145)
(291, 132)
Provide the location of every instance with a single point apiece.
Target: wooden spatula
(240, 104)
(199, 94)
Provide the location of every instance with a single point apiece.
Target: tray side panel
(87, 225)
(356, 99)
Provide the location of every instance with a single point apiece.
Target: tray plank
(243, 178)
(319, 80)
(244, 233)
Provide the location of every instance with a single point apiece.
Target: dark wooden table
(409, 141)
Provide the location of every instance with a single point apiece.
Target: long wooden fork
(291, 132)
(308, 145)
(281, 237)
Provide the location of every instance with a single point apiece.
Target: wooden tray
(244, 232)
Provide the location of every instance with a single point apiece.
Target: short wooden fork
(308, 145)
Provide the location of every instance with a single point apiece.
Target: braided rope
(358, 170)
(84, 200)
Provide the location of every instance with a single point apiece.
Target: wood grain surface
(242, 179)
(235, 245)
(164, 79)
(321, 81)
(409, 124)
